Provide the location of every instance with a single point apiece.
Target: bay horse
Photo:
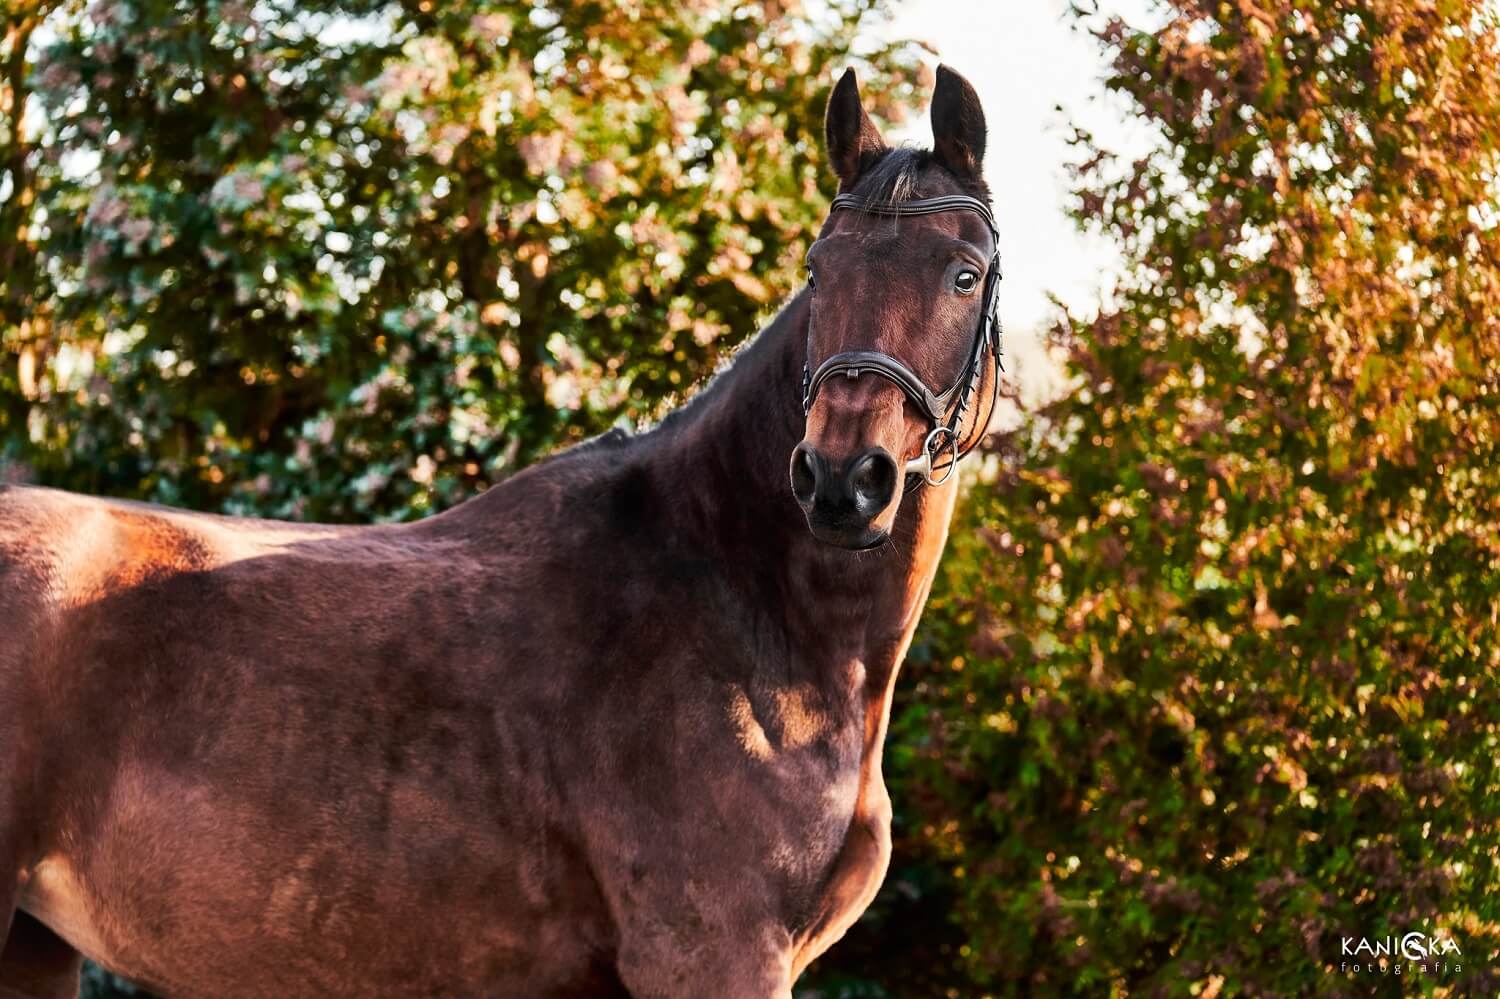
(612, 727)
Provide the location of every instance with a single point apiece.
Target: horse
(612, 727)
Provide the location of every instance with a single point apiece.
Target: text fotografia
(1408, 954)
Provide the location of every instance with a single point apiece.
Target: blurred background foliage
(1208, 680)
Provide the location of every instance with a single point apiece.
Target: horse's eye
(966, 282)
(812, 279)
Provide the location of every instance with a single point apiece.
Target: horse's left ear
(958, 131)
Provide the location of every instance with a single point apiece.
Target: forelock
(896, 177)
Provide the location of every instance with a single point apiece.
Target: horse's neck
(729, 459)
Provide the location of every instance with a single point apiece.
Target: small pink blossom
(491, 27)
(236, 13)
(238, 187)
(135, 232)
(106, 13)
(107, 209)
(541, 152)
(600, 173)
(58, 76)
(447, 140)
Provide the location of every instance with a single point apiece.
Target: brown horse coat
(614, 725)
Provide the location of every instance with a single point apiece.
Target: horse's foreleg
(10, 861)
(7, 904)
(37, 963)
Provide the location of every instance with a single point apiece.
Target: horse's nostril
(804, 474)
(872, 480)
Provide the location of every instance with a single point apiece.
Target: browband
(922, 206)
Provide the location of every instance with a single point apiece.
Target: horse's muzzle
(842, 501)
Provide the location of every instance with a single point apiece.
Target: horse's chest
(823, 798)
(851, 864)
(816, 818)
(820, 814)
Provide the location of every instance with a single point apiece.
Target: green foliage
(347, 259)
(1210, 679)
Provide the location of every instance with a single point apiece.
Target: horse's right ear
(851, 135)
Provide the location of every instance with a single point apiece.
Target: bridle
(944, 410)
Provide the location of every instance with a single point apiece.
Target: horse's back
(96, 597)
(63, 549)
(148, 606)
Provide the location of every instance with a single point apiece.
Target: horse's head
(902, 346)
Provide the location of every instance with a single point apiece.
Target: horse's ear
(958, 131)
(850, 132)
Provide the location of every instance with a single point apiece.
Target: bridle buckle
(925, 464)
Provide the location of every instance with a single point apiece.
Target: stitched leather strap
(921, 206)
